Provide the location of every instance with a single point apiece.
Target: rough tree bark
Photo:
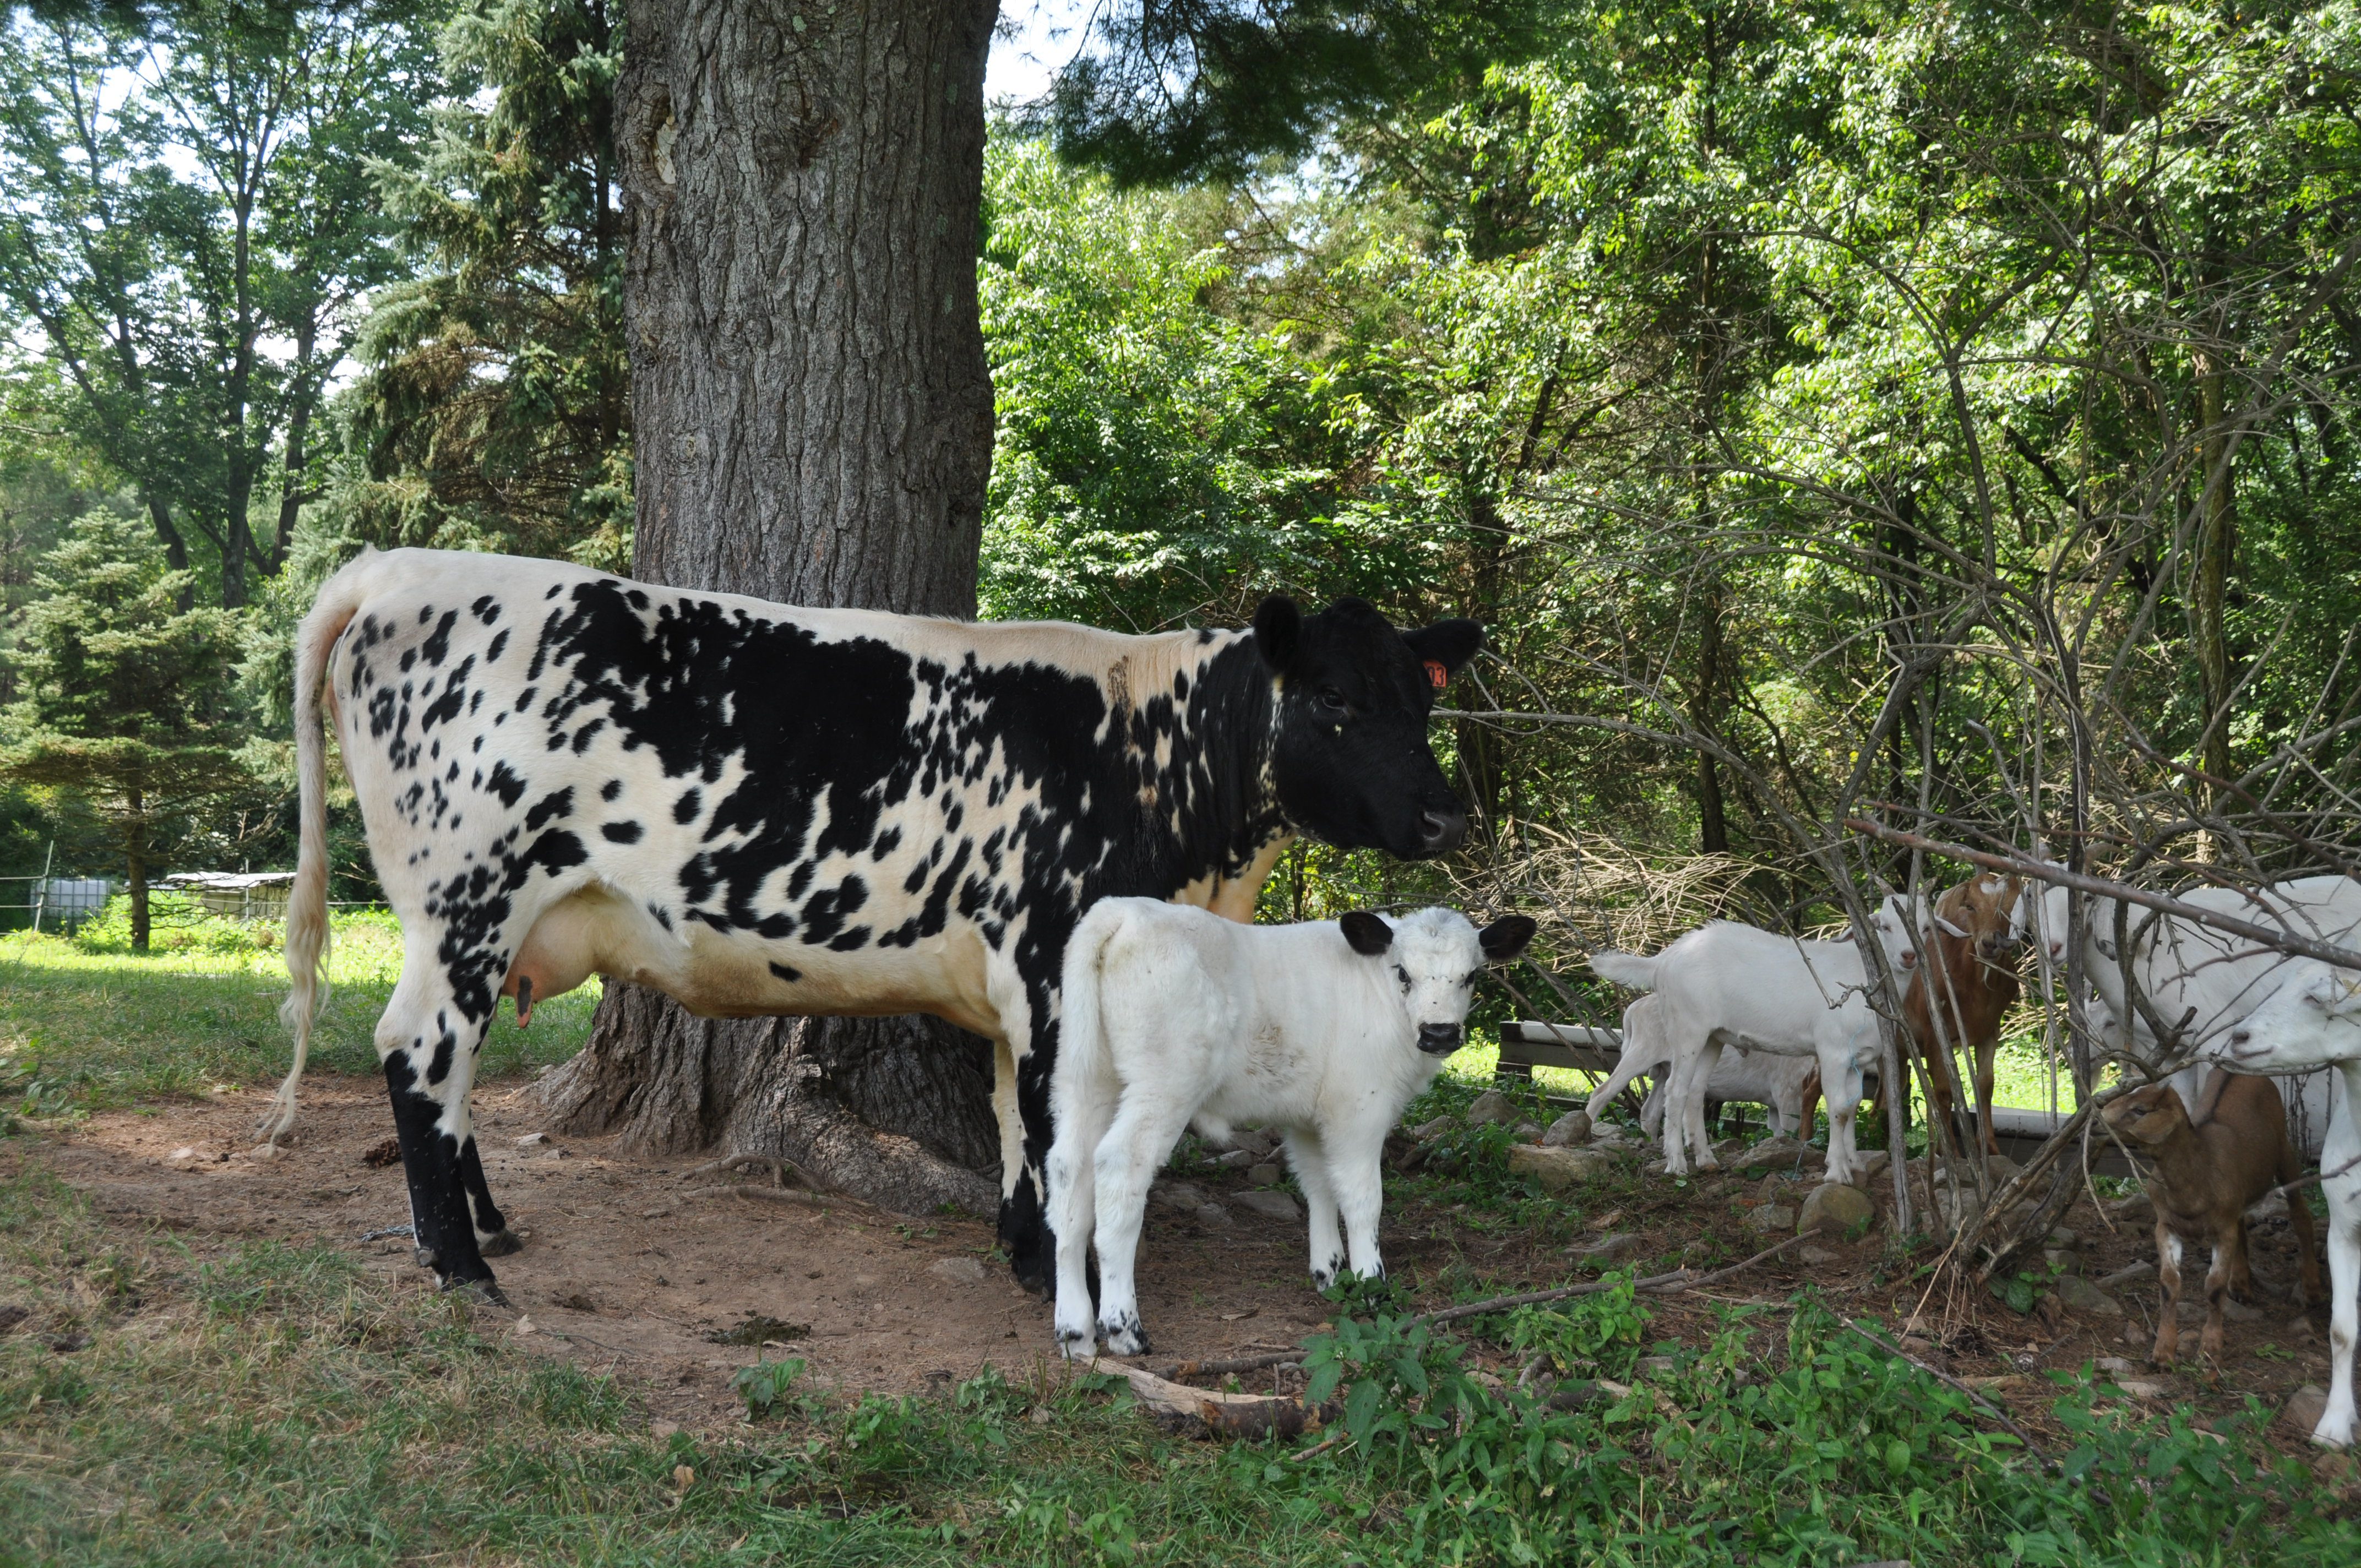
(814, 425)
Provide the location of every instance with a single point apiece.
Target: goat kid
(2210, 1166)
(1786, 1085)
(1957, 997)
(1729, 985)
(1175, 1016)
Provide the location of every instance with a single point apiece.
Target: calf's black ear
(1279, 627)
(1450, 644)
(1505, 937)
(1368, 935)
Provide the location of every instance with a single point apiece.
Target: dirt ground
(625, 1269)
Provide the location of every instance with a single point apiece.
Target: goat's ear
(1450, 644)
(1279, 628)
(1368, 934)
(2154, 1127)
(1505, 937)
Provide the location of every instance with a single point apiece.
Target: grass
(266, 1403)
(170, 1401)
(87, 1024)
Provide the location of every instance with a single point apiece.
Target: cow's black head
(1349, 752)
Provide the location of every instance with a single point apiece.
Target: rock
(1269, 1203)
(1264, 1175)
(1258, 1141)
(2060, 1236)
(2273, 1206)
(662, 1432)
(2138, 1209)
(1606, 1250)
(2138, 1272)
(2239, 1312)
(1867, 1168)
(1433, 1129)
(959, 1270)
(2061, 1260)
(1835, 1209)
(1781, 1151)
(1558, 1169)
(186, 1157)
(1527, 1132)
(2141, 1390)
(1237, 1159)
(1770, 1190)
(1212, 1214)
(2304, 1407)
(2112, 1365)
(1573, 1128)
(1816, 1255)
(1613, 1136)
(1731, 1151)
(533, 1140)
(1490, 1106)
(1771, 1218)
(1999, 1168)
(1177, 1194)
(2080, 1296)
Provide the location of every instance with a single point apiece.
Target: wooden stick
(1678, 1280)
(1227, 1415)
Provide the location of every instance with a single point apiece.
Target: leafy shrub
(764, 1386)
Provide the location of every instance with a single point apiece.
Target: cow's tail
(1628, 970)
(1084, 1071)
(307, 904)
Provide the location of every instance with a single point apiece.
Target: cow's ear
(1505, 937)
(1279, 630)
(1368, 935)
(1449, 644)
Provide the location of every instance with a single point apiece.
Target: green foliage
(494, 411)
(764, 1386)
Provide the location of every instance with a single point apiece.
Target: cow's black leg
(493, 1237)
(1025, 1232)
(434, 1164)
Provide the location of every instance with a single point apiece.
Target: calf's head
(1435, 957)
(1349, 753)
(2312, 1019)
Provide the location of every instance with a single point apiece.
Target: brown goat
(2209, 1166)
(1972, 979)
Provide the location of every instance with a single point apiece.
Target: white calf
(2313, 1019)
(1174, 1015)
(1755, 1077)
(1724, 983)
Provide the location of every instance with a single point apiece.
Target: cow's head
(1436, 957)
(1348, 750)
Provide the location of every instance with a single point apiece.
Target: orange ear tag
(1436, 676)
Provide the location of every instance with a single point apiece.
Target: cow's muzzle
(1441, 830)
(1439, 1040)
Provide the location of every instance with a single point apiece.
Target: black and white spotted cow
(759, 809)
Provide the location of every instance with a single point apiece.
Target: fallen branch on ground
(1227, 1415)
(778, 1165)
(1668, 1284)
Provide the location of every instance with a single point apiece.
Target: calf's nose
(1438, 1039)
(1441, 830)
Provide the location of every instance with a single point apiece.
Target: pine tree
(122, 692)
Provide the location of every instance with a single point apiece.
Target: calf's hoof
(1077, 1344)
(1125, 1337)
(500, 1243)
(488, 1287)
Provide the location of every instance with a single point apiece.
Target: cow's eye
(1330, 699)
(1473, 976)
(1403, 975)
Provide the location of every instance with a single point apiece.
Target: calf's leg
(2336, 1428)
(1359, 1183)
(1071, 1170)
(1307, 1157)
(1135, 1144)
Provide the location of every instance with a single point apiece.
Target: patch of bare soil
(625, 1269)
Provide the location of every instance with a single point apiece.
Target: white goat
(1176, 1017)
(2313, 1019)
(1729, 985)
(1755, 1077)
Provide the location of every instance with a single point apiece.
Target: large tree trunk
(814, 425)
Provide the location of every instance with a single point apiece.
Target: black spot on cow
(549, 808)
(685, 809)
(504, 783)
(621, 832)
(610, 789)
(784, 972)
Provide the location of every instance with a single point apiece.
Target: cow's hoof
(1127, 1337)
(1077, 1344)
(500, 1243)
(488, 1287)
